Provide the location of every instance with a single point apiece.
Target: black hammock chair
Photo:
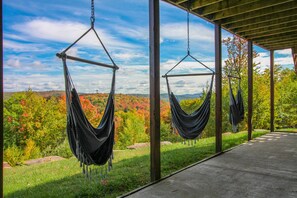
(90, 145)
(236, 107)
(189, 126)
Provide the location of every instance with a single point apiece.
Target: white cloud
(38, 82)
(88, 79)
(128, 56)
(28, 64)
(263, 54)
(135, 32)
(178, 31)
(15, 62)
(24, 47)
(284, 52)
(284, 60)
(186, 65)
(73, 51)
(37, 63)
(14, 37)
(264, 59)
(67, 32)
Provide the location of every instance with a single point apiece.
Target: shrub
(62, 150)
(131, 130)
(28, 115)
(31, 151)
(13, 155)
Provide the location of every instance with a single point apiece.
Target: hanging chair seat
(190, 126)
(90, 145)
(236, 107)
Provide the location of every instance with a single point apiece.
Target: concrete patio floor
(264, 167)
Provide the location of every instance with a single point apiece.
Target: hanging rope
(188, 45)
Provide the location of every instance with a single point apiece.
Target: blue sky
(34, 31)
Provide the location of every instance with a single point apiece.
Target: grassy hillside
(131, 170)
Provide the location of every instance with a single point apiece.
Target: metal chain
(188, 32)
(188, 24)
(92, 13)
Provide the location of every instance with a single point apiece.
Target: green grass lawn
(130, 170)
(288, 130)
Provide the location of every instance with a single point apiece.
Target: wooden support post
(218, 85)
(1, 105)
(271, 91)
(294, 55)
(250, 88)
(154, 29)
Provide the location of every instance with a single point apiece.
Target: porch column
(250, 88)
(218, 86)
(271, 91)
(154, 33)
(294, 54)
(1, 104)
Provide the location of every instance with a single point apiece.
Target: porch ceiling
(269, 24)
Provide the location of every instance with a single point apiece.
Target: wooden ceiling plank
(261, 21)
(279, 47)
(274, 39)
(280, 40)
(279, 29)
(272, 24)
(282, 45)
(294, 31)
(256, 6)
(258, 16)
(180, 1)
(223, 5)
(202, 3)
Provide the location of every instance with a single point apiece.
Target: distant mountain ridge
(164, 96)
(46, 94)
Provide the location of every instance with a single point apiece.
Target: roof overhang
(270, 24)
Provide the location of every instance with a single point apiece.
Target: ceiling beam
(264, 21)
(268, 31)
(265, 24)
(180, 1)
(259, 16)
(202, 3)
(255, 36)
(256, 6)
(280, 43)
(275, 38)
(280, 40)
(223, 5)
(281, 46)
